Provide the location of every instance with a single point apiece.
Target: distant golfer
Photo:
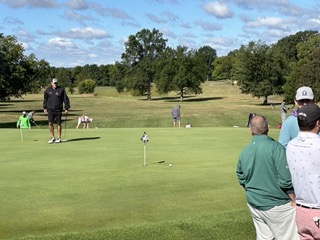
(23, 121)
(283, 111)
(85, 120)
(30, 116)
(176, 117)
(53, 100)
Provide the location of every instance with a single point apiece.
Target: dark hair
(304, 125)
(304, 101)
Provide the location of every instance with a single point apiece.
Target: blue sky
(67, 33)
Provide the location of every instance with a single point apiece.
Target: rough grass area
(220, 105)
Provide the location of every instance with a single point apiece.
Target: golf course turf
(94, 185)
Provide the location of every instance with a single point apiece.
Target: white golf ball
(170, 165)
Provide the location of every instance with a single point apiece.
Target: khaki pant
(276, 223)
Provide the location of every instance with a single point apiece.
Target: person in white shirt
(85, 120)
(303, 156)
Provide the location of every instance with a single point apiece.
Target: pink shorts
(308, 222)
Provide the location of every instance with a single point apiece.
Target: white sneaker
(58, 140)
(51, 140)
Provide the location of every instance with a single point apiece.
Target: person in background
(53, 100)
(176, 117)
(251, 115)
(290, 129)
(23, 121)
(30, 116)
(263, 172)
(303, 156)
(283, 111)
(85, 120)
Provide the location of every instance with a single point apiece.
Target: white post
(144, 155)
(21, 136)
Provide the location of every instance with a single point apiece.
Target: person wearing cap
(290, 128)
(262, 171)
(303, 156)
(176, 117)
(53, 100)
(23, 121)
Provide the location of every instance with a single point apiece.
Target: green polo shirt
(263, 172)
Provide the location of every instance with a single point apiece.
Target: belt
(303, 206)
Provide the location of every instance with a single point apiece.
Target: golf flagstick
(145, 140)
(144, 155)
(21, 136)
(65, 128)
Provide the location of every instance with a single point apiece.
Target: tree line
(148, 63)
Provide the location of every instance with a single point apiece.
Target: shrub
(86, 86)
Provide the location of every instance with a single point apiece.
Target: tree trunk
(181, 95)
(265, 100)
(149, 91)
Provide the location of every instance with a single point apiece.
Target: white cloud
(77, 4)
(269, 22)
(171, 16)
(218, 9)
(72, 15)
(168, 33)
(314, 22)
(118, 13)
(156, 19)
(92, 55)
(208, 26)
(85, 33)
(61, 42)
(31, 3)
(25, 46)
(23, 35)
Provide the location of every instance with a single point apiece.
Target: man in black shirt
(53, 100)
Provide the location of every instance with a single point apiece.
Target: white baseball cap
(304, 93)
(24, 113)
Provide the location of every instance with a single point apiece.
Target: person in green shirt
(23, 121)
(263, 172)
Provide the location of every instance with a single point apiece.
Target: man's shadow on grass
(81, 139)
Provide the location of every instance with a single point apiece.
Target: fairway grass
(94, 185)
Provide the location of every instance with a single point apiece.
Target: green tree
(305, 72)
(18, 73)
(64, 76)
(288, 45)
(207, 55)
(141, 51)
(117, 74)
(180, 70)
(86, 86)
(222, 68)
(262, 70)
